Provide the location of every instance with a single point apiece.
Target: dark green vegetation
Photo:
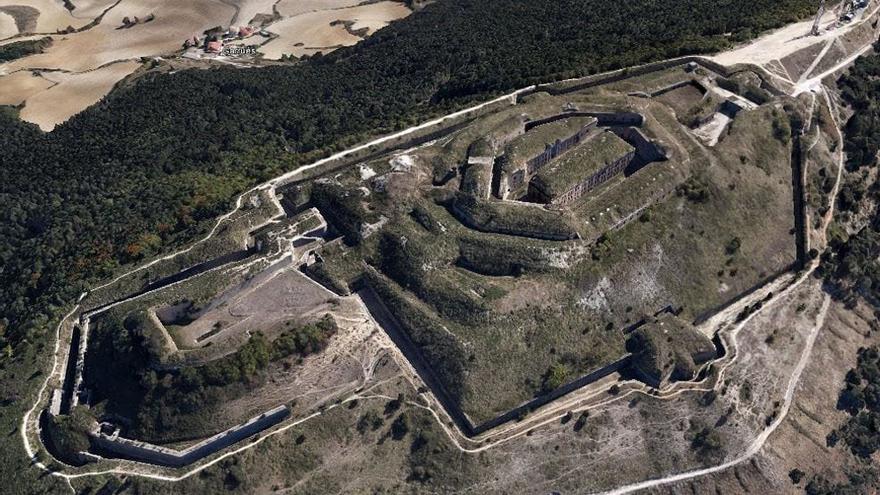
(861, 399)
(166, 405)
(858, 482)
(706, 441)
(19, 49)
(851, 263)
(475, 304)
(68, 435)
(344, 209)
(860, 433)
(860, 89)
(502, 314)
(668, 348)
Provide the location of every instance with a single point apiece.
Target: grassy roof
(667, 346)
(536, 140)
(597, 151)
(508, 217)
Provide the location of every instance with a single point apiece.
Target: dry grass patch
(248, 9)
(52, 16)
(20, 86)
(263, 303)
(312, 32)
(289, 8)
(90, 9)
(73, 94)
(15, 40)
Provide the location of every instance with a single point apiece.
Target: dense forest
(860, 89)
(142, 171)
(861, 399)
(851, 263)
(18, 49)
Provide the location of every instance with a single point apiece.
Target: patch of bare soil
(682, 99)
(43, 16)
(798, 62)
(7, 25)
(90, 9)
(836, 53)
(355, 356)
(247, 10)
(800, 441)
(262, 304)
(289, 8)
(105, 43)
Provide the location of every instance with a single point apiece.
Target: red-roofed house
(214, 47)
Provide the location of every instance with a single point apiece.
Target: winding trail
(761, 439)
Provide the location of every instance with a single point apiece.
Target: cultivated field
(311, 32)
(22, 85)
(7, 26)
(90, 9)
(71, 93)
(290, 8)
(246, 10)
(85, 64)
(42, 16)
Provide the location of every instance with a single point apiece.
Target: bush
(861, 399)
(732, 246)
(400, 427)
(695, 189)
(706, 441)
(556, 376)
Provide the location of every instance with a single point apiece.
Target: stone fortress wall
(512, 176)
(164, 456)
(558, 148)
(593, 181)
(146, 452)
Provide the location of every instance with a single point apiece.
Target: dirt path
(761, 439)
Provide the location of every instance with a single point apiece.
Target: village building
(215, 46)
(600, 156)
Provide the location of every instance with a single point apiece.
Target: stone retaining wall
(164, 456)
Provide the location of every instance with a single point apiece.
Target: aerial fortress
(571, 240)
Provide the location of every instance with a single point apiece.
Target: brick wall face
(588, 184)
